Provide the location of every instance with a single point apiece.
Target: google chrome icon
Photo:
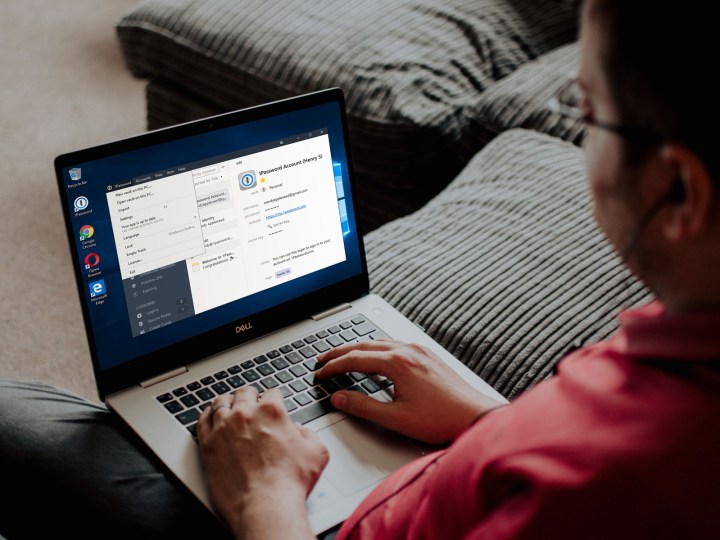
(86, 231)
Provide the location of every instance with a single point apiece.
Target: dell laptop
(226, 252)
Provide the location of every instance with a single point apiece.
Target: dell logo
(243, 327)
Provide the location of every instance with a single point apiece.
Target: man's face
(611, 181)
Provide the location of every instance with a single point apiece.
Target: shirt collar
(650, 332)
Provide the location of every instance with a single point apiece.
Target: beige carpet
(64, 86)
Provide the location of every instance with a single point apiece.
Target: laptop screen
(183, 231)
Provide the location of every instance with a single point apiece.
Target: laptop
(227, 252)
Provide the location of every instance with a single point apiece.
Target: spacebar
(312, 411)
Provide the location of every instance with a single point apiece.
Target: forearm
(272, 516)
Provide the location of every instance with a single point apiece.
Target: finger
(360, 405)
(245, 396)
(358, 360)
(375, 345)
(220, 407)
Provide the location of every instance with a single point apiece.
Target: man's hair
(658, 57)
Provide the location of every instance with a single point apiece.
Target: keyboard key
(330, 386)
(190, 400)
(234, 370)
(386, 383)
(358, 376)
(192, 428)
(311, 339)
(345, 325)
(358, 388)
(235, 381)
(260, 359)
(207, 380)
(293, 357)
(302, 399)
(321, 346)
(265, 369)
(357, 320)
(273, 354)
(270, 382)
(317, 393)
(334, 329)
(298, 385)
(284, 377)
(299, 344)
(185, 417)
(222, 375)
(290, 405)
(322, 334)
(250, 375)
(312, 364)
(343, 380)
(310, 379)
(260, 388)
(370, 385)
(286, 349)
(174, 407)
(220, 387)
(279, 363)
(164, 398)
(205, 394)
(308, 352)
(298, 371)
(180, 391)
(348, 335)
(364, 329)
(205, 405)
(286, 391)
(311, 412)
(247, 364)
(335, 341)
(193, 386)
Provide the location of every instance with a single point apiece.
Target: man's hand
(260, 467)
(431, 402)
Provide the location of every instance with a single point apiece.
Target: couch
(472, 190)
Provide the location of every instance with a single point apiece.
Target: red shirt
(624, 442)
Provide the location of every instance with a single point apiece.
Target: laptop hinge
(332, 311)
(163, 377)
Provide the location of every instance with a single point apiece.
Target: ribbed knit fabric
(521, 100)
(506, 268)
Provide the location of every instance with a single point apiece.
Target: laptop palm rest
(360, 456)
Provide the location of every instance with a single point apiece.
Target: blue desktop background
(109, 324)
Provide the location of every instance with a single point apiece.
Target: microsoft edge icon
(97, 288)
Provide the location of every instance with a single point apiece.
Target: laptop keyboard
(290, 369)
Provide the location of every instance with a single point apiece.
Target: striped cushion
(408, 68)
(506, 267)
(521, 101)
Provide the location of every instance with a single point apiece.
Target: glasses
(566, 103)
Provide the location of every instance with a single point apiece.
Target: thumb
(358, 404)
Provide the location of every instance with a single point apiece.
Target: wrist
(271, 511)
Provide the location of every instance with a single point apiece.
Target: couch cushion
(506, 268)
(521, 99)
(408, 68)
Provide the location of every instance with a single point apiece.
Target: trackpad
(361, 455)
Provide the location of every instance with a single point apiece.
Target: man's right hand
(431, 402)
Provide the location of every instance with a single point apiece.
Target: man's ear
(691, 197)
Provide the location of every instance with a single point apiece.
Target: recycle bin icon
(75, 174)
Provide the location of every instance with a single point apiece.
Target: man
(621, 443)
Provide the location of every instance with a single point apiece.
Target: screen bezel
(147, 366)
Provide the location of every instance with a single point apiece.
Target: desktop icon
(81, 203)
(75, 174)
(247, 180)
(97, 288)
(86, 231)
(91, 260)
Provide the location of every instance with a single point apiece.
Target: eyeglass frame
(571, 111)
